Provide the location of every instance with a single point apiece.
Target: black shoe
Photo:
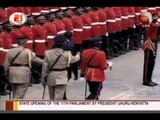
(154, 83)
(116, 55)
(7, 92)
(149, 84)
(136, 48)
(76, 78)
(3, 93)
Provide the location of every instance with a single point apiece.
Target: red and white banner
(82, 105)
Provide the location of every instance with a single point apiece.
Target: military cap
(19, 38)
(68, 34)
(59, 39)
(96, 39)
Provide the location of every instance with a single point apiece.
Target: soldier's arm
(6, 64)
(32, 57)
(73, 59)
(44, 69)
(103, 61)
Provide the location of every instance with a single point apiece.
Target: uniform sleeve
(36, 59)
(103, 61)
(44, 68)
(6, 64)
(73, 59)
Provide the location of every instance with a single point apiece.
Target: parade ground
(123, 82)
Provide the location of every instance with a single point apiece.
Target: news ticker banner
(82, 105)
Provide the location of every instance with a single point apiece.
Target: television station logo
(18, 18)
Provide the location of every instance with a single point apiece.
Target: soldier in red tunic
(150, 50)
(27, 31)
(94, 63)
(40, 35)
(5, 44)
(51, 30)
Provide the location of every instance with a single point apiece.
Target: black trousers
(95, 89)
(73, 68)
(149, 62)
(3, 81)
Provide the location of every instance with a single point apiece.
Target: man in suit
(55, 63)
(17, 65)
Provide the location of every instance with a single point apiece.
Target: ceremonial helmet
(146, 18)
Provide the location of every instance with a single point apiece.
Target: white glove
(110, 63)
(82, 78)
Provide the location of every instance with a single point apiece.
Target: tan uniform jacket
(20, 74)
(57, 77)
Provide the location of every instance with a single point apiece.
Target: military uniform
(87, 21)
(15, 33)
(2, 77)
(150, 52)
(68, 24)
(95, 26)
(57, 79)
(77, 31)
(51, 33)
(19, 71)
(40, 35)
(111, 28)
(27, 31)
(94, 63)
(4, 16)
(59, 26)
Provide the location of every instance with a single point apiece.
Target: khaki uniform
(19, 75)
(57, 80)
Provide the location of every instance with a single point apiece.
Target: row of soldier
(116, 25)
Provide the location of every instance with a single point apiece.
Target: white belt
(152, 8)
(102, 23)
(29, 41)
(111, 20)
(78, 30)
(145, 10)
(63, 8)
(50, 36)
(53, 10)
(61, 32)
(1, 49)
(124, 17)
(44, 11)
(86, 27)
(134, 26)
(40, 41)
(5, 50)
(137, 13)
(131, 16)
(95, 23)
(36, 13)
(14, 45)
(118, 19)
(106, 33)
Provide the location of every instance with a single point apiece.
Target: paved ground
(124, 82)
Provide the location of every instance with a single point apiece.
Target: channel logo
(18, 18)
